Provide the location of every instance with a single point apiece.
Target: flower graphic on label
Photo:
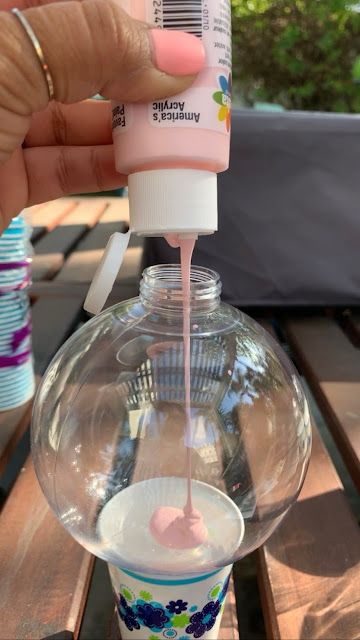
(204, 620)
(152, 616)
(127, 614)
(177, 606)
(223, 98)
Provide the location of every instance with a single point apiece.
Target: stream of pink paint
(172, 527)
(186, 251)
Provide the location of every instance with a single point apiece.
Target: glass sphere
(109, 435)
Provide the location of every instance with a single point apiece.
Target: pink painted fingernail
(177, 53)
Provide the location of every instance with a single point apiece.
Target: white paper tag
(106, 272)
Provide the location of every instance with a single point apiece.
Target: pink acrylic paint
(170, 526)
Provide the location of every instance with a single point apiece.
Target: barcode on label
(183, 15)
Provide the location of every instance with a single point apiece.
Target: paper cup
(10, 255)
(18, 387)
(17, 401)
(17, 383)
(13, 275)
(151, 582)
(156, 608)
(12, 313)
(14, 298)
(13, 377)
(7, 350)
(6, 332)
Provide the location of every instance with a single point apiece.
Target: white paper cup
(17, 401)
(152, 582)
(17, 383)
(13, 314)
(6, 333)
(13, 277)
(153, 607)
(14, 297)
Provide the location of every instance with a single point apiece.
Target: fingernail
(177, 53)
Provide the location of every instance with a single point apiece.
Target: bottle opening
(161, 286)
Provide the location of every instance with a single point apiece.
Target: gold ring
(38, 50)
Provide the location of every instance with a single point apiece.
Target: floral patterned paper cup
(162, 592)
(182, 608)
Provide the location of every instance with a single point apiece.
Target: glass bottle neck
(161, 288)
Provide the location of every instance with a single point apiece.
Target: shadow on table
(328, 616)
(313, 526)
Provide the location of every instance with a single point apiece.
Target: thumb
(95, 47)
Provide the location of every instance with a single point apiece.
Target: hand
(48, 150)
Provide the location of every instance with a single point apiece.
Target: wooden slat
(13, 425)
(44, 572)
(56, 289)
(88, 212)
(351, 322)
(61, 240)
(117, 210)
(112, 214)
(46, 217)
(50, 214)
(331, 364)
(52, 248)
(37, 233)
(310, 567)
(45, 267)
(53, 320)
(229, 629)
(82, 264)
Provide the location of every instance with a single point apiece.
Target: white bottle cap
(173, 201)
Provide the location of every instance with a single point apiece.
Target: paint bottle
(172, 149)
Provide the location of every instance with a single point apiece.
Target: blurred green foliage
(301, 54)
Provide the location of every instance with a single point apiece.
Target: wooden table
(308, 573)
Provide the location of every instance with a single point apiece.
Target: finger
(13, 188)
(95, 47)
(5, 5)
(54, 172)
(85, 123)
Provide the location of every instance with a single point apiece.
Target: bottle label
(202, 107)
(195, 109)
(122, 117)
